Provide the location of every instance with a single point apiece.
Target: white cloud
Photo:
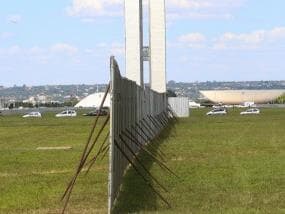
(202, 9)
(229, 40)
(197, 15)
(6, 35)
(117, 49)
(36, 50)
(277, 33)
(14, 19)
(192, 38)
(63, 48)
(89, 51)
(13, 50)
(249, 40)
(88, 9)
(176, 9)
(192, 4)
(205, 4)
(102, 45)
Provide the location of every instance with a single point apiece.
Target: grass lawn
(32, 181)
(226, 164)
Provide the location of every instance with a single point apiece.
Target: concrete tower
(157, 45)
(134, 40)
(155, 53)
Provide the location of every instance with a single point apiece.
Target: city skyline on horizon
(169, 82)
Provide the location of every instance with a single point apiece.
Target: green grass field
(226, 164)
(32, 180)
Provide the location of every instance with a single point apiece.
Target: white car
(251, 111)
(67, 113)
(33, 114)
(217, 111)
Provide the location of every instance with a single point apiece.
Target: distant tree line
(280, 100)
(70, 103)
(170, 93)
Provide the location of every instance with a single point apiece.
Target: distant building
(93, 101)
(193, 104)
(179, 105)
(242, 96)
(2, 103)
(42, 99)
(31, 100)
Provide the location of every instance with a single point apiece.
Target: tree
(170, 93)
(280, 100)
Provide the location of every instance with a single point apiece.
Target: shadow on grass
(135, 194)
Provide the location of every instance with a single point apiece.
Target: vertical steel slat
(130, 104)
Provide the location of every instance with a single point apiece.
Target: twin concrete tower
(155, 53)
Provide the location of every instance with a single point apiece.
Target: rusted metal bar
(136, 158)
(154, 122)
(142, 176)
(69, 189)
(156, 118)
(87, 144)
(159, 153)
(145, 139)
(160, 163)
(148, 128)
(93, 160)
(94, 125)
(105, 151)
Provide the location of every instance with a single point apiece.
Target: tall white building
(157, 43)
(2, 103)
(134, 40)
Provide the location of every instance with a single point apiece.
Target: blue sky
(70, 41)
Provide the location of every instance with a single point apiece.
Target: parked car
(217, 111)
(67, 113)
(97, 112)
(251, 111)
(33, 114)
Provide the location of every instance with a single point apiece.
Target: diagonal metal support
(142, 176)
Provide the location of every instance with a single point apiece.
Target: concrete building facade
(94, 101)
(157, 43)
(2, 103)
(242, 96)
(134, 40)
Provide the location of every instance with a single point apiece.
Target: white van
(67, 113)
(33, 114)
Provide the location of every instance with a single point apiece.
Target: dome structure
(242, 96)
(93, 101)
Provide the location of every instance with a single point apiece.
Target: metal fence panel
(130, 105)
(179, 105)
